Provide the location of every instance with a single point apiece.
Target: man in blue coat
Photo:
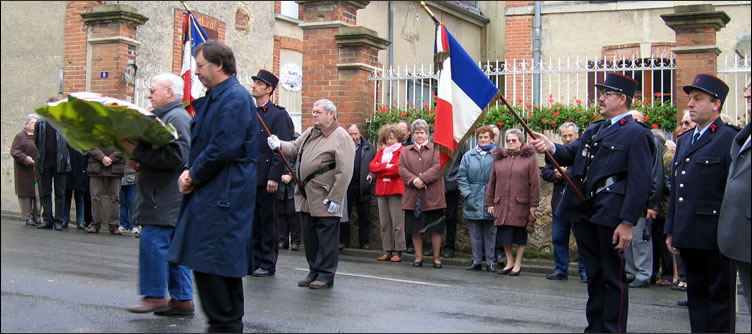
(213, 235)
(269, 173)
(698, 181)
(608, 164)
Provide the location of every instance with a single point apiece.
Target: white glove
(333, 207)
(273, 142)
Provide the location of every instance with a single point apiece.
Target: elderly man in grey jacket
(734, 220)
(157, 205)
(325, 169)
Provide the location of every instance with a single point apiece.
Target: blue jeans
(127, 196)
(78, 196)
(155, 274)
(560, 236)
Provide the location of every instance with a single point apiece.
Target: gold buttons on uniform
(681, 185)
(683, 172)
(681, 199)
(686, 160)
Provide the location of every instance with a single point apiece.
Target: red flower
(426, 106)
(646, 118)
(408, 101)
(527, 105)
(403, 115)
(529, 116)
(499, 123)
(569, 118)
(553, 122)
(519, 100)
(558, 105)
(644, 103)
(543, 120)
(434, 95)
(384, 109)
(578, 101)
(556, 114)
(550, 96)
(654, 126)
(596, 116)
(430, 111)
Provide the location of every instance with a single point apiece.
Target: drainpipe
(536, 52)
(391, 40)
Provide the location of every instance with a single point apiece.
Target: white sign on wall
(291, 77)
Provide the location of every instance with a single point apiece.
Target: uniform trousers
(46, 180)
(710, 291)
(101, 186)
(222, 301)
(745, 269)
(482, 239)
(320, 235)
(638, 257)
(392, 221)
(608, 298)
(264, 231)
(288, 222)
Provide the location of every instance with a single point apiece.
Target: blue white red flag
(193, 36)
(463, 93)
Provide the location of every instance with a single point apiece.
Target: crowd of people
(220, 201)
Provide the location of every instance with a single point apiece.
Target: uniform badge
(713, 127)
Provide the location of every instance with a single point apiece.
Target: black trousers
(452, 199)
(608, 298)
(46, 180)
(363, 205)
(264, 231)
(288, 222)
(87, 207)
(662, 257)
(320, 235)
(711, 291)
(222, 301)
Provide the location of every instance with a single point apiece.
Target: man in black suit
(359, 190)
(269, 173)
(698, 182)
(608, 164)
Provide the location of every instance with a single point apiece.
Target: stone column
(696, 50)
(111, 46)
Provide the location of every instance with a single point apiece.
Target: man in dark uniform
(608, 164)
(698, 182)
(269, 173)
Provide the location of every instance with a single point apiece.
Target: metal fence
(562, 80)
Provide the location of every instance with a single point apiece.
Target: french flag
(193, 35)
(464, 91)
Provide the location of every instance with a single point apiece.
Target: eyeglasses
(611, 92)
(511, 140)
(152, 90)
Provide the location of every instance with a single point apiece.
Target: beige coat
(333, 144)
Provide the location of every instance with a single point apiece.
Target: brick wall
(214, 29)
(74, 68)
(519, 48)
(690, 64)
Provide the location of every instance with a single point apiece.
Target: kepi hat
(620, 83)
(268, 77)
(710, 84)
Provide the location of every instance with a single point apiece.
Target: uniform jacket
(472, 181)
(332, 144)
(40, 140)
(158, 201)
(513, 186)
(624, 150)
(548, 174)
(734, 222)
(426, 165)
(96, 168)
(77, 179)
(388, 180)
(213, 234)
(24, 175)
(367, 152)
(269, 164)
(698, 182)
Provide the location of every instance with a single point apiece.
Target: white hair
(328, 106)
(29, 117)
(172, 81)
(420, 124)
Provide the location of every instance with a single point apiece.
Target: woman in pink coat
(512, 196)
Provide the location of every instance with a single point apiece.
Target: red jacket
(394, 186)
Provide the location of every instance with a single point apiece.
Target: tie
(694, 138)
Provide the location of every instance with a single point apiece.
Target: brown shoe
(115, 230)
(148, 305)
(93, 228)
(385, 257)
(176, 307)
(396, 258)
(319, 285)
(305, 282)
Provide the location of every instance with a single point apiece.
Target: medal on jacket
(586, 150)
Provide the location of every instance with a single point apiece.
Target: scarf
(485, 149)
(389, 152)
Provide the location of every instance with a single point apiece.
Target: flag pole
(500, 96)
(185, 6)
(279, 150)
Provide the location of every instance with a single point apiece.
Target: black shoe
(682, 303)
(475, 267)
(428, 252)
(410, 250)
(282, 245)
(448, 252)
(500, 260)
(490, 267)
(639, 284)
(503, 271)
(44, 226)
(58, 226)
(294, 247)
(515, 273)
(418, 263)
(30, 222)
(557, 276)
(81, 227)
(65, 225)
(437, 265)
(630, 278)
(260, 272)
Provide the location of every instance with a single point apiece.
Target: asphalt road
(76, 282)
